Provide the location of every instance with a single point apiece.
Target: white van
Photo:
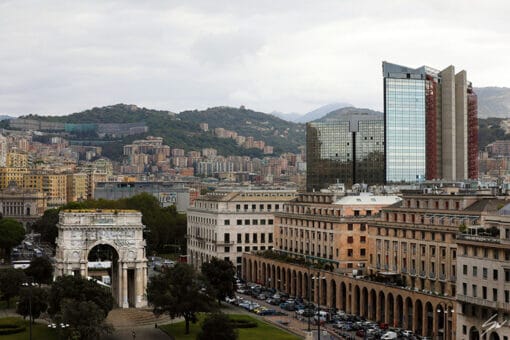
(389, 335)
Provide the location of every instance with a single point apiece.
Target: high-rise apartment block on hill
(431, 124)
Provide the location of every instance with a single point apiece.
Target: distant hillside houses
(245, 142)
(102, 129)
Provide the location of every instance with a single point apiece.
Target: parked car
(389, 335)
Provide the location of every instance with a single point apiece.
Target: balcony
(432, 275)
(412, 272)
(442, 277)
(477, 301)
(423, 274)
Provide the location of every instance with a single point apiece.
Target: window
(495, 275)
(350, 252)
(507, 296)
(246, 207)
(369, 212)
(363, 239)
(247, 238)
(363, 227)
(270, 237)
(262, 238)
(262, 222)
(475, 271)
(484, 292)
(484, 273)
(255, 222)
(474, 289)
(238, 207)
(270, 222)
(349, 226)
(226, 237)
(239, 222)
(464, 288)
(254, 240)
(253, 207)
(227, 222)
(350, 239)
(362, 252)
(356, 212)
(227, 249)
(246, 248)
(507, 275)
(239, 238)
(494, 294)
(269, 207)
(276, 207)
(239, 249)
(246, 222)
(239, 259)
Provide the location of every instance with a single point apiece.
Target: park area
(258, 329)
(20, 330)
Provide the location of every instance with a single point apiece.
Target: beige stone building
(23, 205)
(226, 224)
(330, 229)
(53, 185)
(483, 271)
(16, 159)
(15, 175)
(76, 187)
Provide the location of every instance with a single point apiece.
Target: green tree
(78, 289)
(220, 274)
(11, 234)
(217, 326)
(41, 270)
(178, 292)
(39, 301)
(47, 226)
(11, 281)
(86, 319)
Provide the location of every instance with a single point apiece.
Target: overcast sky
(59, 57)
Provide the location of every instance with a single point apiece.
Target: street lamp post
(319, 278)
(29, 284)
(447, 311)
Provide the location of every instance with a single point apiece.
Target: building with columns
(24, 205)
(412, 264)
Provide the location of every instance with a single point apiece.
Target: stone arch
(264, 275)
(430, 314)
(408, 314)
(333, 294)
(356, 301)
(441, 322)
(390, 304)
(420, 328)
(293, 283)
(399, 317)
(474, 334)
(381, 307)
(364, 303)
(324, 292)
(283, 280)
(119, 231)
(299, 286)
(288, 282)
(256, 271)
(372, 305)
(494, 336)
(306, 287)
(343, 296)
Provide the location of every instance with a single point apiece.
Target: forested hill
(182, 130)
(283, 135)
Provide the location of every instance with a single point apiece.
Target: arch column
(377, 307)
(125, 302)
(387, 310)
(424, 320)
(363, 303)
(329, 293)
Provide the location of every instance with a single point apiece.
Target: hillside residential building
(227, 224)
(431, 126)
(483, 271)
(24, 205)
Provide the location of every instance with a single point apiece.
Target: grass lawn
(262, 331)
(39, 331)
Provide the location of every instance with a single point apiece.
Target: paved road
(140, 333)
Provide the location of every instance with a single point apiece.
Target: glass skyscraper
(428, 124)
(345, 151)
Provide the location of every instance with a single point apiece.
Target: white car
(389, 335)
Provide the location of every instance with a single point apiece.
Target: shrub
(239, 323)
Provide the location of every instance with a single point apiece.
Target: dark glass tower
(345, 151)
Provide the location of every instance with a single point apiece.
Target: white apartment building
(227, 224)
(483, 286)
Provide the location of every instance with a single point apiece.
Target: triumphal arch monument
(105, 243)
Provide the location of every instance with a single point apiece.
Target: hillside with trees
(182, 130)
